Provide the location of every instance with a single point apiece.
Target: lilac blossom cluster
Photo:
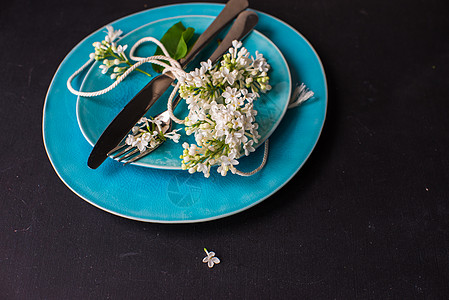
(221, 115)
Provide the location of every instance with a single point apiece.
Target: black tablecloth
(367, 217)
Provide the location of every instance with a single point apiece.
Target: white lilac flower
(203, 168)
(234, 138)
(206, 66)
(260, 63)
(173, 135)
(108, 63)
(130, 139)
(243, 61)
(229, 160)
(228, 76)
(248, 147)
(140, 144)
(216, 76)
(147, 137)
(236, 44)
(220, 132)
(142, 120)
(231, 94)
(192, 150)
(104, 69)
(112, 34)
(195, 78)
(247, 95)
(237, 123)
(243, 52)
(135, 129)
(120, 49)
(223, 170)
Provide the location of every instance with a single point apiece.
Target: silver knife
(139, 105)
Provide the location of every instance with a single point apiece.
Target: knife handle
(229, 12)
(244, 23)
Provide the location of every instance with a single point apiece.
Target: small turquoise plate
(95, 113)
(174, 196)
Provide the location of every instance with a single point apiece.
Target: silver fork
(244, 23)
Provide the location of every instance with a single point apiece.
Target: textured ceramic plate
(168, 196)
(94, 114)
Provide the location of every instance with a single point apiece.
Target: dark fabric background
(367, 217)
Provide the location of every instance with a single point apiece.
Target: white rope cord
(170, 105)
(175, 71)
(262, 164)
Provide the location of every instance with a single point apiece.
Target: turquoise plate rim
(320, 105)
(142, 162)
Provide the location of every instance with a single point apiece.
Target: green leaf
(183, 49)
(175, 41)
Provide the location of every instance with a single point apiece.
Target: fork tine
(122, 152)
(131, 153)
(119, 146)
(140, 155)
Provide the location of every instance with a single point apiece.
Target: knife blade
(141, 103)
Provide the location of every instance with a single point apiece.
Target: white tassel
(300, 95)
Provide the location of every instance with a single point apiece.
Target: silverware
(140, 104)
(244, 23)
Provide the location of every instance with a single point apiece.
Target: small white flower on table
(210, 259)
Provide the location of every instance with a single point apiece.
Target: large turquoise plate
(94, 114)
(171, 196)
